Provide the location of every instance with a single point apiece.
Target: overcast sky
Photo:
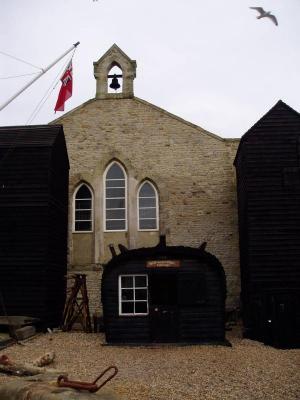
(210, 62)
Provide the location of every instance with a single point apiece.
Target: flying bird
(263, 13)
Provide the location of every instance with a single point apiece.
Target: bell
(114, 83)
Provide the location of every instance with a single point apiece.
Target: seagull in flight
(263, 13)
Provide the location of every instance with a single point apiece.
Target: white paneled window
(133, 295)
(147, 207)
(115, 198)
(83, 209)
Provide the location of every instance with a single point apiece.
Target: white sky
(210, 62)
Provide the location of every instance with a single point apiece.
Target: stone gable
(191, 168)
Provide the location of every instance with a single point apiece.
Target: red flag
(66, 88)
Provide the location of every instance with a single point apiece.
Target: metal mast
(38, 76)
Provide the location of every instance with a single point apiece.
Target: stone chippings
(249, 370)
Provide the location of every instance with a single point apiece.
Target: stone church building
(137, 172)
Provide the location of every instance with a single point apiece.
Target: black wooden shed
(34, 174)
(268, 185)
(164, 294)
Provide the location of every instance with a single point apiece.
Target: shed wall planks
(268, 185)
(199, 318)
(34, 172)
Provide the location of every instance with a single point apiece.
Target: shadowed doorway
(163, 307)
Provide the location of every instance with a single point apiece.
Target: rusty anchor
(63, 381)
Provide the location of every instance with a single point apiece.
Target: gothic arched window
(83, 209)
(115, 198)
(147, 207)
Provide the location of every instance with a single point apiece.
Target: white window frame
(91, 209)
(134, 301)
(156, 206)
(104, 198)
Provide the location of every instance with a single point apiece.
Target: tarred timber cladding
(268, 184)
(34, 172)
(196, 322)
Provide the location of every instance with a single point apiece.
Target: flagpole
(38, 76)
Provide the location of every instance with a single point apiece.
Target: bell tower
(114, 73)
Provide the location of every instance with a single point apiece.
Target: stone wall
(192, 170)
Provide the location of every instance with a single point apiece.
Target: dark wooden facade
(268, 185)
(186, 292)
(34, 174)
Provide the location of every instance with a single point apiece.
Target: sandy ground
(247, 370)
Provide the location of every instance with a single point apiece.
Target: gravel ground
(248, 370)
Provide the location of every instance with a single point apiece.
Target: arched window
(115, 198)
(83, 209)
(147, 207)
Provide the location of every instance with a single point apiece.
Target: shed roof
(29, 136)
(278, 114)
(162, 251)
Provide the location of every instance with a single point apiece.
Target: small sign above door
(163, 264)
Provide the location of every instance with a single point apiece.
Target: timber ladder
(77, 305)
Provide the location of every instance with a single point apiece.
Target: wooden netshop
(34, 172)
(268, 188)
(164, 294)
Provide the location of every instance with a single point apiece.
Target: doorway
(280, 318)
(163, 307)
